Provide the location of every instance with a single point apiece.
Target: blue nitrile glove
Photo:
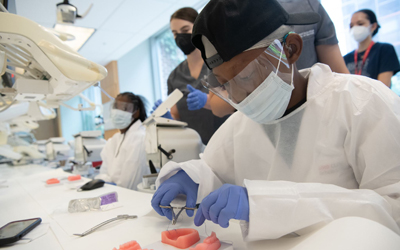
(166, 115)
(196, 99)
(227, 202)
(180, 183)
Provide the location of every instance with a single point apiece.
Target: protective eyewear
(125, 106)
(247, 80)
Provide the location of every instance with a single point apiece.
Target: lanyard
(356, 71)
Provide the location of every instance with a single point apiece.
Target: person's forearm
(330, 55)
(386, 78)
(175, 113)
(208, 105)
(219, 107)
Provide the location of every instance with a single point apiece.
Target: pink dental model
(180, 238)
(209, 243)
(52, 181)
(74, 177)
(131, 245)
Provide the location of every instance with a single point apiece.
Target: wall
(135, 73)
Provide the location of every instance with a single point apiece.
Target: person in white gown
(124, 155)
(305, 147)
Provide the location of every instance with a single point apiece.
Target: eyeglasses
(247, 80)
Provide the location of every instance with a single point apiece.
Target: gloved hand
(166, 115)
(180, 183)
(227, 202)
(196, 99)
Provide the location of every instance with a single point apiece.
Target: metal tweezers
(175, 216)
(119, 217)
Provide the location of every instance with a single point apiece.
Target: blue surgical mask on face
(269, 101)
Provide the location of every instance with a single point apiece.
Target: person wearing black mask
(194, 108)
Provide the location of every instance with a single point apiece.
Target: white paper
(111, 206)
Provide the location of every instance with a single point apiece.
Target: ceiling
(120, 24)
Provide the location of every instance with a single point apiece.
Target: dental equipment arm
(170, 139)
(52, 71)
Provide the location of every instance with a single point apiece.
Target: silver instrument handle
(119, 217)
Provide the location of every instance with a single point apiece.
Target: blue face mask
(258, 91)
(121, 119)
(269, 101)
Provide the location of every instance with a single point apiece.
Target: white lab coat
(337, 155)
(124, 158)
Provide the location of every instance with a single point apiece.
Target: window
(167, 56)
(387, 13)
(91, 119)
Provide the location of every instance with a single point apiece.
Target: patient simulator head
(127, 108)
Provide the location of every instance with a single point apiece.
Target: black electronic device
(96, 183)
(15, 230)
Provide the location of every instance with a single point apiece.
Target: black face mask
(184, 42)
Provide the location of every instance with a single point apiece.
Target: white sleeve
(197, 170)
(213, 169)
(105, 154)
(278, 208)
(372, 147)
(133, 164)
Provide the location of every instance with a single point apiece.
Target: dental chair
(52, 71)
(47, 73)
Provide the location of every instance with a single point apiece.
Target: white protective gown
(124, 158)
(337, 155)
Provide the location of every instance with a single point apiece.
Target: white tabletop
(24, 195)
(146, 190)
(27, 197)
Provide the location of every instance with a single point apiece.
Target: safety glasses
(124, 106)
(246, 81)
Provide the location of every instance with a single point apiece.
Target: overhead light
(67, 13)
(76, 36)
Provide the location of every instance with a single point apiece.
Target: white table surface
(146, 190)
(26, 196)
